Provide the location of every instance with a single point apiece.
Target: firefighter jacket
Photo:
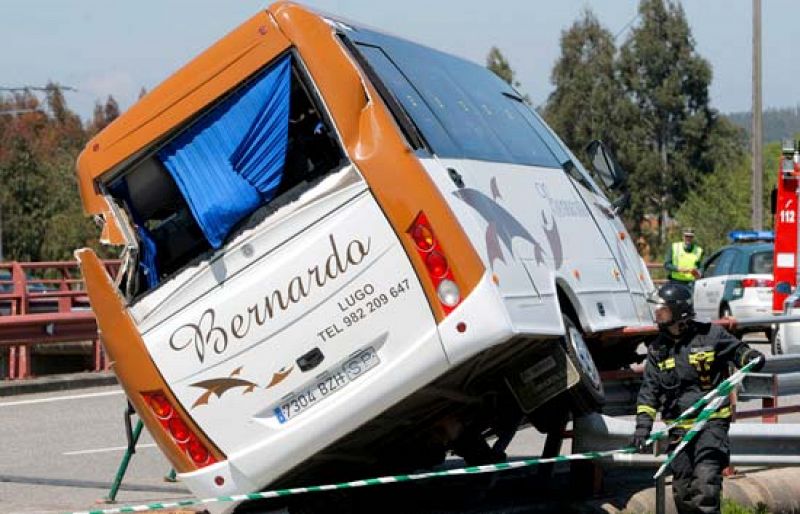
(679, 372)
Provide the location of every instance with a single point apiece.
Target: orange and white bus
(346, 253)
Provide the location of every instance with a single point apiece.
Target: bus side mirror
(605, 166)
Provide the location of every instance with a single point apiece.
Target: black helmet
(678, 298)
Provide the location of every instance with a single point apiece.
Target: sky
(108, 47)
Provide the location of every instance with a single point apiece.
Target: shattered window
(260, 146)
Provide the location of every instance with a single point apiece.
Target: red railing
(40, 303)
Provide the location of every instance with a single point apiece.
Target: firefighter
(685, 361)
(683, 259)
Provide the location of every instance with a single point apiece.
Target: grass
(731, 507)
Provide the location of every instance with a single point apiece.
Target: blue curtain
(231, 161)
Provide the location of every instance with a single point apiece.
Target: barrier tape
(713, 400)
(722, 390)
(702, 419)
(705, 415)
(392, 479)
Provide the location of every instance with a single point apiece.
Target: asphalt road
(59, 452)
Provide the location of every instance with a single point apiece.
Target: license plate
(327, 385)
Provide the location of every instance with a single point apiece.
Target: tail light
(436, 263)
(178, 429)
(757, 282)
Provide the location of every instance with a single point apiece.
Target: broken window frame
(129, 275)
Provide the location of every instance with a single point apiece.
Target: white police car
(737, 279)
(786, 336)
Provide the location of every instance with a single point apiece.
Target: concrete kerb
(59, 382)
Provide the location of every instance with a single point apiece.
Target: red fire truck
(784, 206)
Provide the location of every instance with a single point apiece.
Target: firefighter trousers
(697, 469)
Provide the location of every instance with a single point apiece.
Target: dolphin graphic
(554, 238)
(495, 190)
(278, 377)
(219, 386)
(502, 225)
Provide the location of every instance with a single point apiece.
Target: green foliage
(731, 507)
(42, 217)
(497, 63)
(678, 133)
(721, 202)
(587, 102)
(24, 201)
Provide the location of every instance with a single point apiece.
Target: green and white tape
(722, 390)
(702, 419)
(706, 414)
(392, 479)
(713, 400)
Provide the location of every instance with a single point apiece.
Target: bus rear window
(257, 149)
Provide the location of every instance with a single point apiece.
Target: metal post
(123, 466)
(757, 129)
(661, 495)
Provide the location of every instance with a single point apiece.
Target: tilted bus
(348, 254)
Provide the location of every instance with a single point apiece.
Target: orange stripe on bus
(130, 359)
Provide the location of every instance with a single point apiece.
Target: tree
(499, 65)
(675, 129)
(24, 201)
(41, 210)
(103, 115)
(721, 202)
(587, 102)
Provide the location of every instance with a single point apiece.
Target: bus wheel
(587, 395)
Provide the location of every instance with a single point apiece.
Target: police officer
(683, 259)
(685, 361)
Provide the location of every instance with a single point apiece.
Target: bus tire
(587, 395)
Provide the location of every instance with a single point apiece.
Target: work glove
(644, 423)
(751, 355)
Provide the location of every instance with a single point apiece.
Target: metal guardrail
(752, 444)
(779, 377)
(767, 385)
(40, 303)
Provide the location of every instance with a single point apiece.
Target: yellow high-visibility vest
(683, 259)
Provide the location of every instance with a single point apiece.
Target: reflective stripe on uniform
(667, 364)
(646, 409)
(723, 413)
(702, 360)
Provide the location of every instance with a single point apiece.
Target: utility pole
(757, 129)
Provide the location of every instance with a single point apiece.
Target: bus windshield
(461, 109)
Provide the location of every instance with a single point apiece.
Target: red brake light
(423, 237)
(161, 407)
(436, 263)
(757, 282)
(178, 429)
(197, 452)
